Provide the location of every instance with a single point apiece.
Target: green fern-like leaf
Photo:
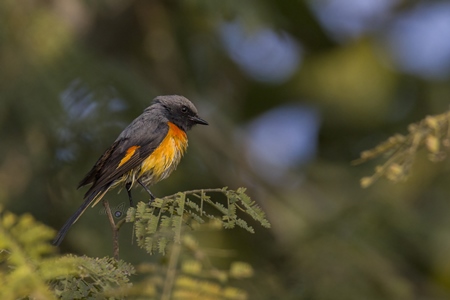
(195, 217)
(30, 269)
(162, 244)
(193, 205)
(241, 223)
(87, 277)
(165, 219)
(251, 208)
(23, 244)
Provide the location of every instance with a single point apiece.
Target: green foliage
(190, 275)
(164, 220)
(23, 244)
(90, 278)
(30, 267)
(198, 279)
(433, 133)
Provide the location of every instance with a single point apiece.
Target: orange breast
(166, 157)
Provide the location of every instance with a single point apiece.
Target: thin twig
(213, 190)
(120, 223)
(115, 229)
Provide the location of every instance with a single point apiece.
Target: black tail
(90, 196)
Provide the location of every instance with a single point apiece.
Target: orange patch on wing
(128, 155)
(167, 155)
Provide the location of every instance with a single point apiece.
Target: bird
(146, 152)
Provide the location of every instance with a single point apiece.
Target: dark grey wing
(96, 169)
(127, 154)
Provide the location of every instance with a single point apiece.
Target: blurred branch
(433, 132)
(171, 272)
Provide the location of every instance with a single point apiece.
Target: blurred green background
(293, 91)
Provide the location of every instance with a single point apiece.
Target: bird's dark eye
(184, 109)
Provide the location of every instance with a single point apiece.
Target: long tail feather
(91, 196)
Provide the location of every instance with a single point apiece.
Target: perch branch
(115, 229)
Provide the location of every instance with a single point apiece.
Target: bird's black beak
(198, 120)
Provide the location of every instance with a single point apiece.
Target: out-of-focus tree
(293, 91)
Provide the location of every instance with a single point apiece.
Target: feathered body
(147, 151)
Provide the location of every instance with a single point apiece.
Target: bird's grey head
(178, 110)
